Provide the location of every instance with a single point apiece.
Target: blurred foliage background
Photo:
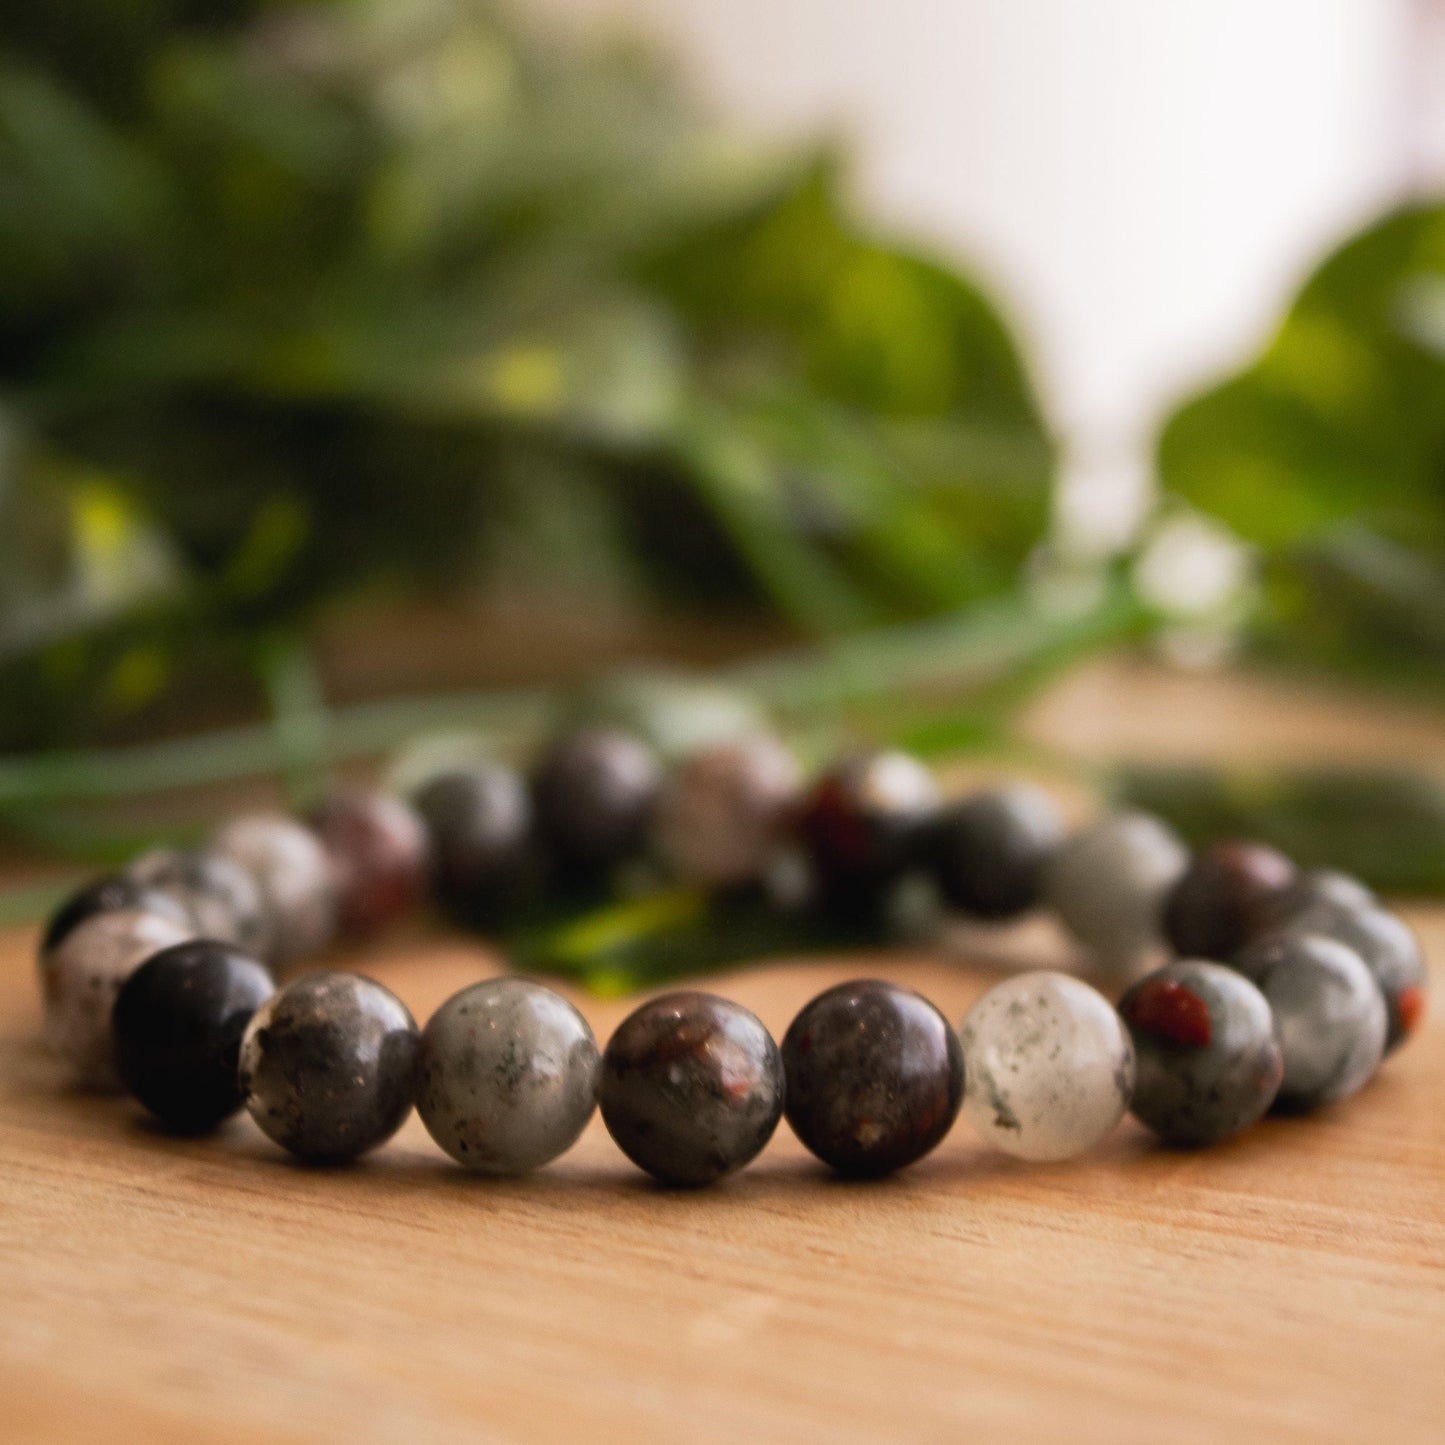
(296, 303)
(1328, 455)
(347, 301)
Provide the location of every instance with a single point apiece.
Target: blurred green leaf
(333, 297)
(1329, 453)
(1385, 826)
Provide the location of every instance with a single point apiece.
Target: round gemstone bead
(1390, 951)
(874, 1077)
(328, 1066)
(723, 814)
(865, 822)
(1209, 1063)
(1108, 885)
(378, 850)
(594, 793)
(178, 1022)
(692, 1087)
(989, 851)
(1329, 1014)
(507, 1076)
(483, 851)
(1322, 885)
(222, 900)
(1228, 896)
(1049, 1066)
(293, 872)
(110, 894)
(81, 977)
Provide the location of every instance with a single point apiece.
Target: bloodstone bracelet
(1288, 988)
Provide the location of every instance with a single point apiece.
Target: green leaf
(1329, 453)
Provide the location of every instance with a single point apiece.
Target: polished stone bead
(328, 1066)
(1209, 1062)
(1390, 951)
(874, 1077)
(378, 850)
(723, 814)
(1049, 1066)
(1322, 885)
(989, 851)
(293, 872)
(109, 894)
(1228, 896)
(594, 792)
(81, 977)
(222, 900)
(1329, 1014)
(692, 1087)
(482, 843)
(864, 823)
(1108, 884)
(178, 1022)
(507, 1076)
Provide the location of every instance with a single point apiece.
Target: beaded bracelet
(1288, 988)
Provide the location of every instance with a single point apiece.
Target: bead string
(1287, 989)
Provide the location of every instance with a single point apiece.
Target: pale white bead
(1108, 885)
(293, 871)
(1048, 1066)
(81, 976)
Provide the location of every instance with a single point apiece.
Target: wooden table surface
(1288, 1286)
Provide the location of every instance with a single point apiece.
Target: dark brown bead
(874, 1077)
(594, 793)
(1228, 896)
(865, 822)
(989, 851)
(484, 858)
(378, 849)
(692, 1087)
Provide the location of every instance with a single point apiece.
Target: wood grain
(1289, 1286)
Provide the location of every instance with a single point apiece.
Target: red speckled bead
(378, 850)
(865, 822)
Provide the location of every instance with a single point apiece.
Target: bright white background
(1143, 182)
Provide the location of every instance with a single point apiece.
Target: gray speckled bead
(1389, 949)
(293, 872)
(81, 977)
(1048, 1064)
(722, 814)
(507, 1076)
(223, 900)
(1108, 885)
(692, 1087)
(1323, 885)
(1209, 1062)
(1329, 1014)
(328, 1066)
